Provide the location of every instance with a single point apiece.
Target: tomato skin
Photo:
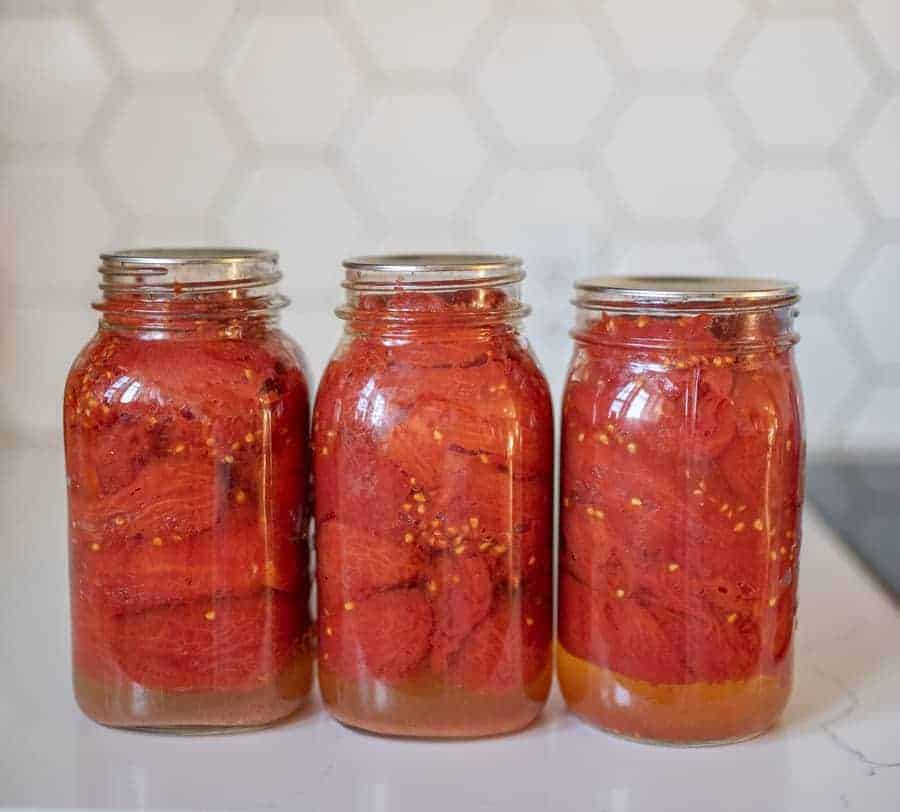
(174, 647)
(507, 649)
(680, 485)
(187, 466)
(385, 636)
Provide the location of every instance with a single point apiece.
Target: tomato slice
(464, 593)
(509, 649)
(353, 563)
(385, 636)
(204, 645)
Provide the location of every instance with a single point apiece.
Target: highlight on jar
(681, 489)
(433, 469)
(186, 432)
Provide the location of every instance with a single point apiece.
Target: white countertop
(838, 746)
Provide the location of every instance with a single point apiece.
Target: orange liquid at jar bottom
(130, 705)
(700, 713)
(427, 707)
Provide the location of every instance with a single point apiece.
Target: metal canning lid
(683, 291)
(388, 270)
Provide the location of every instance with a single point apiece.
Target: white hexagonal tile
(875, 425)
(38, 347)
(827, 374)
(418, 235)
(542, 8)
(166, 35)
(417, 155)
(305, 215)
(316, 331)
(878, 159)
(665, 257)
(546, 81)
(674, 41)
(882, 18)
(171, 231)
(799, 81)
(293, 80)
(799, 8)
(51, 80)
(670, 156)
(407, 35)
(548, 289)
(541, 212)
(874, 302)
(168, 154)
(797, 224)
(554, 220)
(52, 227)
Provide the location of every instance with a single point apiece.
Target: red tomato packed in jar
(433, 471)
(186, 427)
(681, 488)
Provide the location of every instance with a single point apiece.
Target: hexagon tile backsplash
(699, 136)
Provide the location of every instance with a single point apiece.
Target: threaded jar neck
(170, 288)
(647, 312)
(411, 290)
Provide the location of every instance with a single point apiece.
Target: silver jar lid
(683, 292)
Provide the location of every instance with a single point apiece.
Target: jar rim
(388, 276)
(432, 270)
(439, 261)
(133, 258)
(672, 291)
(230, 280)
(188, 269)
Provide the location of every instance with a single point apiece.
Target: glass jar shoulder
(134, 404)
(670, 432)
(201, 375)
(375, 384)
(682, 391)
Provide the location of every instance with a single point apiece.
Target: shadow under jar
(186, 429)
(682, 476)
(433, 469)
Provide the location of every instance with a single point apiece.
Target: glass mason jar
(186, 428)
(433, 471)
(682, 478)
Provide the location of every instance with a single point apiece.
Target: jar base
(674, 743)
(691, 715)
(130, 706)
(427, 708)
